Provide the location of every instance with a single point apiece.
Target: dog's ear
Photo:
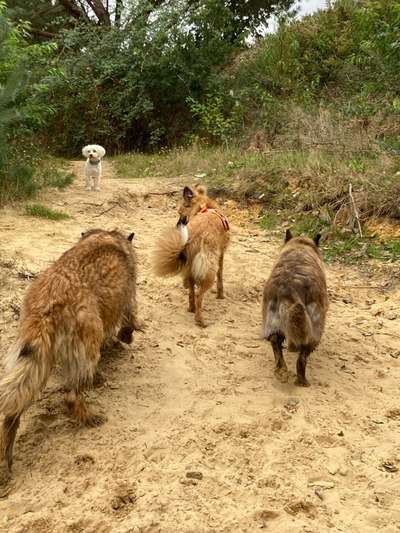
(288, 235)
(130, 237)
(183, 220)
(317, 239)
(188, 194)
(201, 189)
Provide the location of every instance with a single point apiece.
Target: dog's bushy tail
(29, 366)
(170, 256)
(298, 327)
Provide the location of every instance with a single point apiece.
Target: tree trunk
(100, 11)
(118, 11)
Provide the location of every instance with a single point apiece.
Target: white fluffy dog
(94, 154)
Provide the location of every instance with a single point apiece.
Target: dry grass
(305, 182)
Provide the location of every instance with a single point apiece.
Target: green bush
(20, 111)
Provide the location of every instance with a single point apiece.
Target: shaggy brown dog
(295, 303)
(67, 313)
(196, 249)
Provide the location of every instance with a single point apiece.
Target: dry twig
(353, 204)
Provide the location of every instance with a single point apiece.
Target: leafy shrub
(20, 112)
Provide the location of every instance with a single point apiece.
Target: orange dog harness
(205, 209)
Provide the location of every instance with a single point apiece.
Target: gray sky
(306, 7)
(309, 6)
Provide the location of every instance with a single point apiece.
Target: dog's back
(295, 296)
(98, 272)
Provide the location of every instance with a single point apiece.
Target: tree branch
(72, 8)
(42, 33)
(100, 11)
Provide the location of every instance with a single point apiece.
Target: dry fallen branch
(109, 209)
(167, 193)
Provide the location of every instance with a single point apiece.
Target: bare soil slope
(200, 436)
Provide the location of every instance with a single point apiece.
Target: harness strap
(205, 209)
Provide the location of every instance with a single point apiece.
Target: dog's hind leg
(276, 341)
(205, 285)
(78, 407)
(220, 281)
(79, 368)
(7, 439)
(301, 367)
(192, 296)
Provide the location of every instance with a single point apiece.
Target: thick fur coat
(295, 303)
(87, 295)
(196, 248)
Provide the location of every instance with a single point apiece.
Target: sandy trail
(184, 402)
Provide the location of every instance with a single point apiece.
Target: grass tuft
(39, 210)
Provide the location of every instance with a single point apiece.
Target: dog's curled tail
(170, 256)
(298, 325)
(29, 366)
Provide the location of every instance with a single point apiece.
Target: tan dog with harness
(196, 248)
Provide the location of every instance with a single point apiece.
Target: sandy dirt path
(200, 436)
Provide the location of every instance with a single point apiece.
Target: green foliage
(20, 111)
(41, 211)
(345, 58)
(129, 88)
(268, 221)
(213, 122)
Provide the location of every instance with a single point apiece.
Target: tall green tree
(48, 18)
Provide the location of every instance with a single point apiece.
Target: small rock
(343, 471)
(194, 475)
(391, 315)
(185, 481)
(340, 434)
(318, 492)
(333, 468)
(347, 300)
(388, 466)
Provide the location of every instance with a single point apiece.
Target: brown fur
(295, 303)
(66, 315)
(199, 259)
